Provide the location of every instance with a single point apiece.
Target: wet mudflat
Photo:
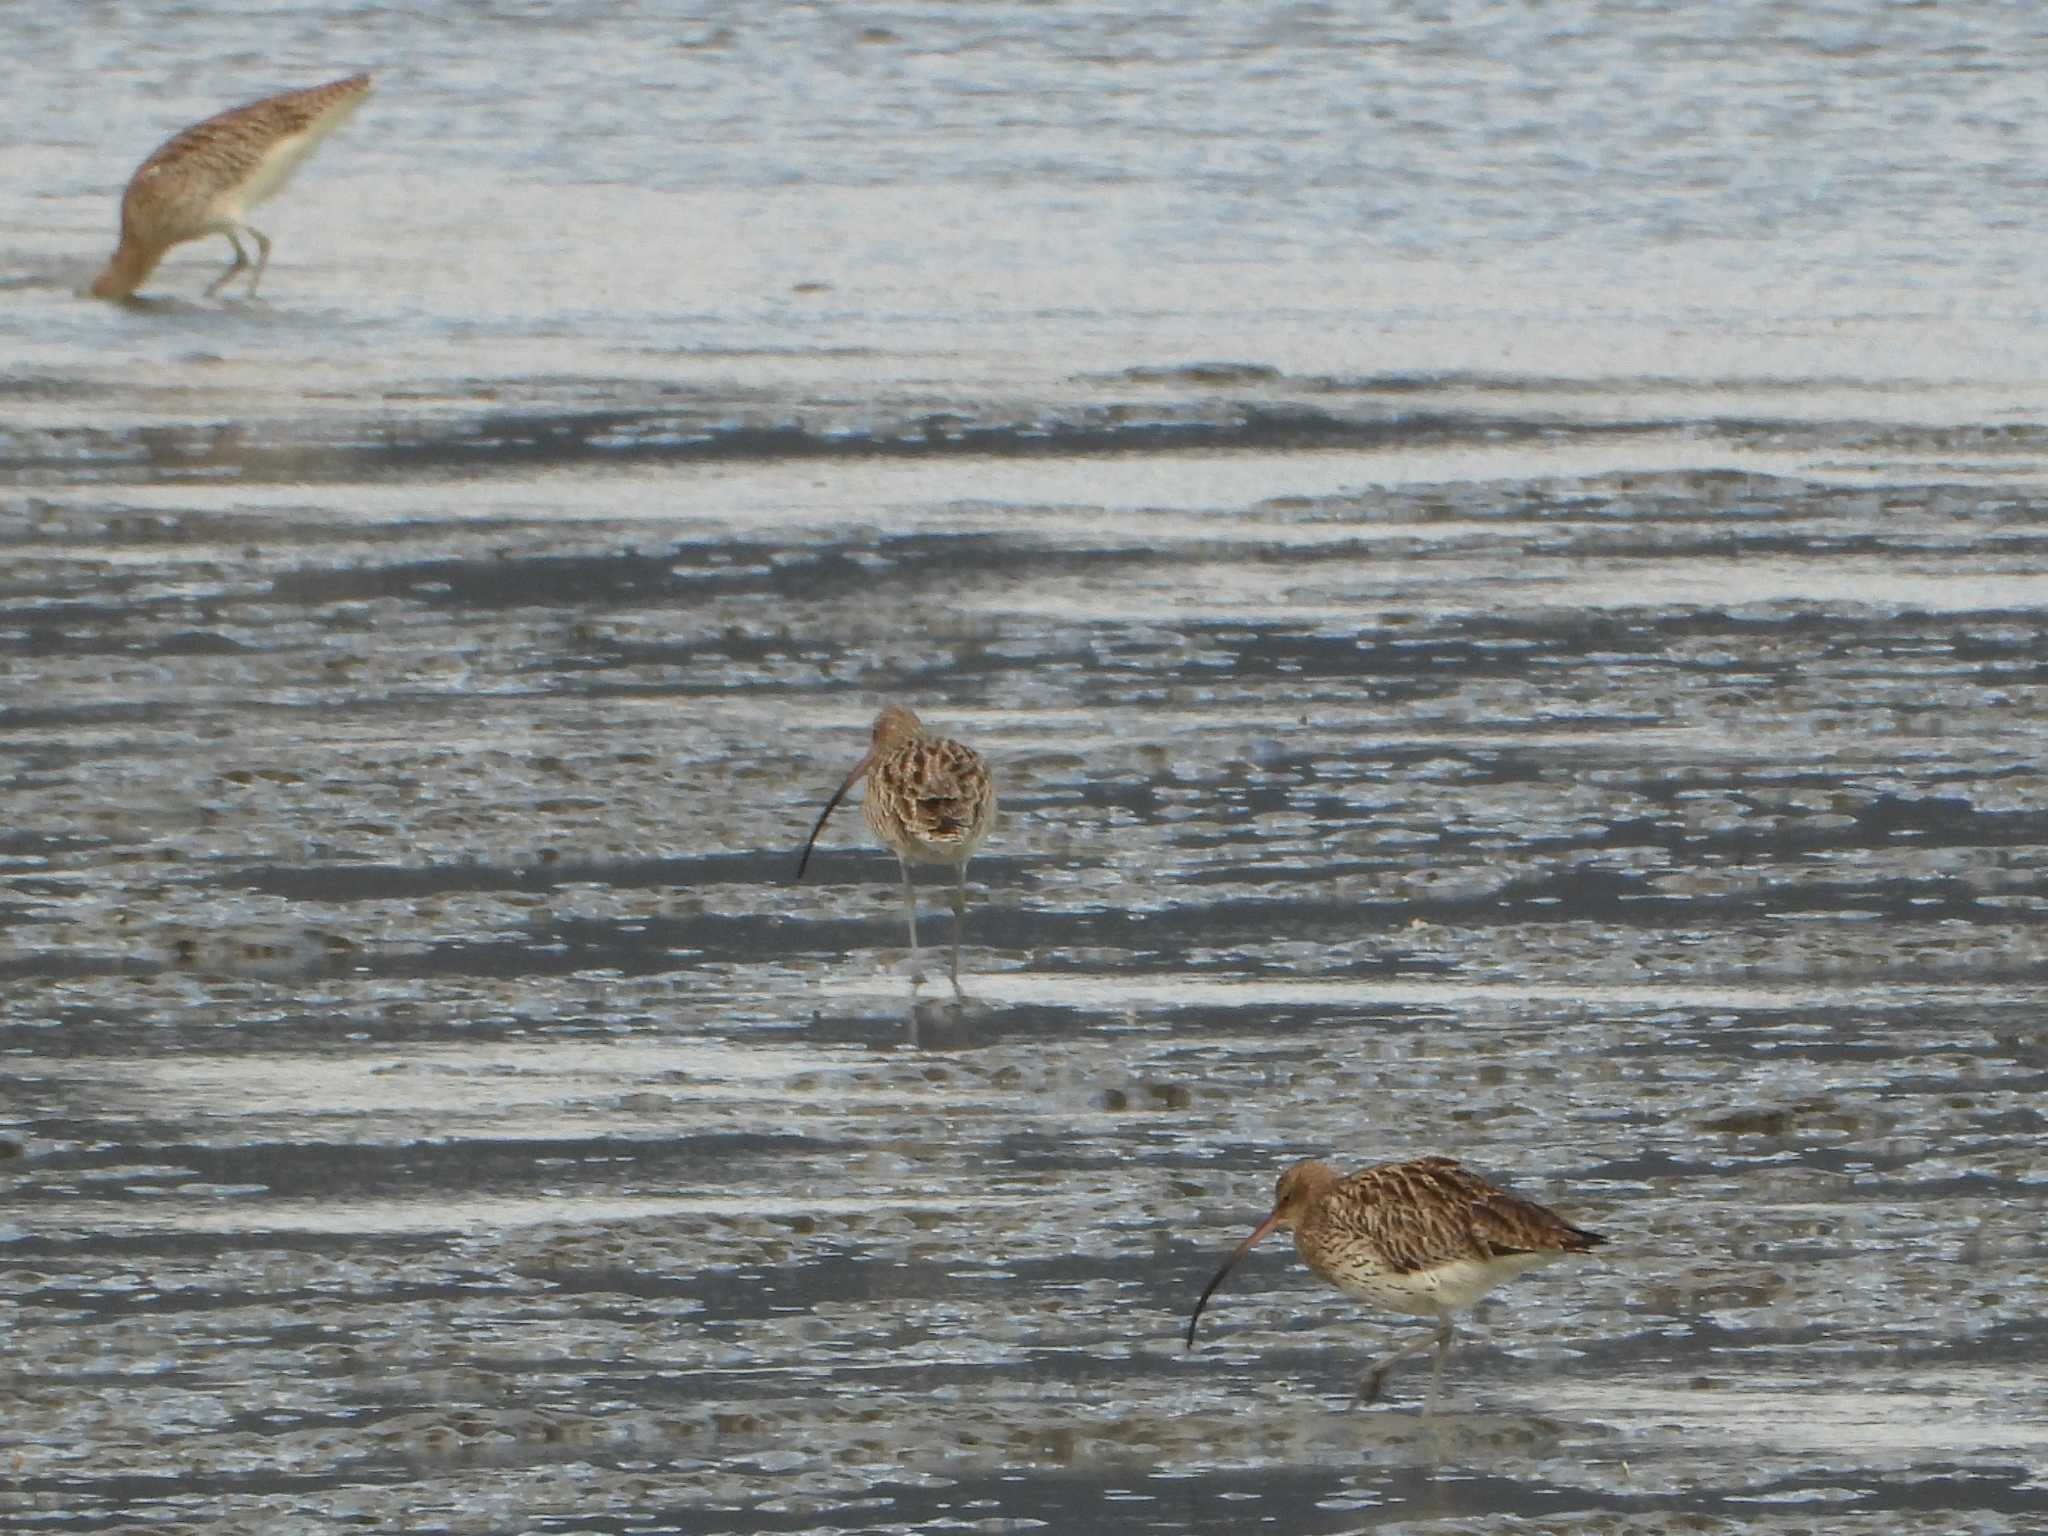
(1499, 555)
(434, 1105)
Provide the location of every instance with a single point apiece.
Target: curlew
(1423, 1237)
(205, 179)
(929, 800)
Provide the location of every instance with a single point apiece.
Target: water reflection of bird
(1423, 1237)
(205, 179)
(929, 800)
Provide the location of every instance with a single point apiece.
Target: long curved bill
(831, 805)
(1265, 1227)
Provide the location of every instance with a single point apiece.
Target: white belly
(1450, 1287)
(282, 159)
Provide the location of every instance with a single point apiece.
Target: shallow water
(1499, 557)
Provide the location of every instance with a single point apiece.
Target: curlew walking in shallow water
(1423, 1237)
(929, 800)
(205, 179)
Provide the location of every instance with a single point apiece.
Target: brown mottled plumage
(205, 179)
(929, 800)
(1424, 1237)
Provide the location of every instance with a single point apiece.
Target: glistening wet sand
(439, 1109)
(1498, 553)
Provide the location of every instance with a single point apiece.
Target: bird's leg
(1369, 1388)
(1443, 1353)
(241, 260)
(910, 913)
(262, 255)
(959, 916)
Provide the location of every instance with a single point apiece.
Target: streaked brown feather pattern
(1404, 1218)
(201, 180)
(224, 150)
(1425, 1236)
(929, 800)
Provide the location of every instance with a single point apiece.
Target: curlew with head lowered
(205, 179)
(1424, 1237)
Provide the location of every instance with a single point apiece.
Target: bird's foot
(1369, 1388)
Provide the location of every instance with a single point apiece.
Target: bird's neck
(132, 262)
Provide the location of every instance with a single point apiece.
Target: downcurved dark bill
(1230, 1263)
(831, 805)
